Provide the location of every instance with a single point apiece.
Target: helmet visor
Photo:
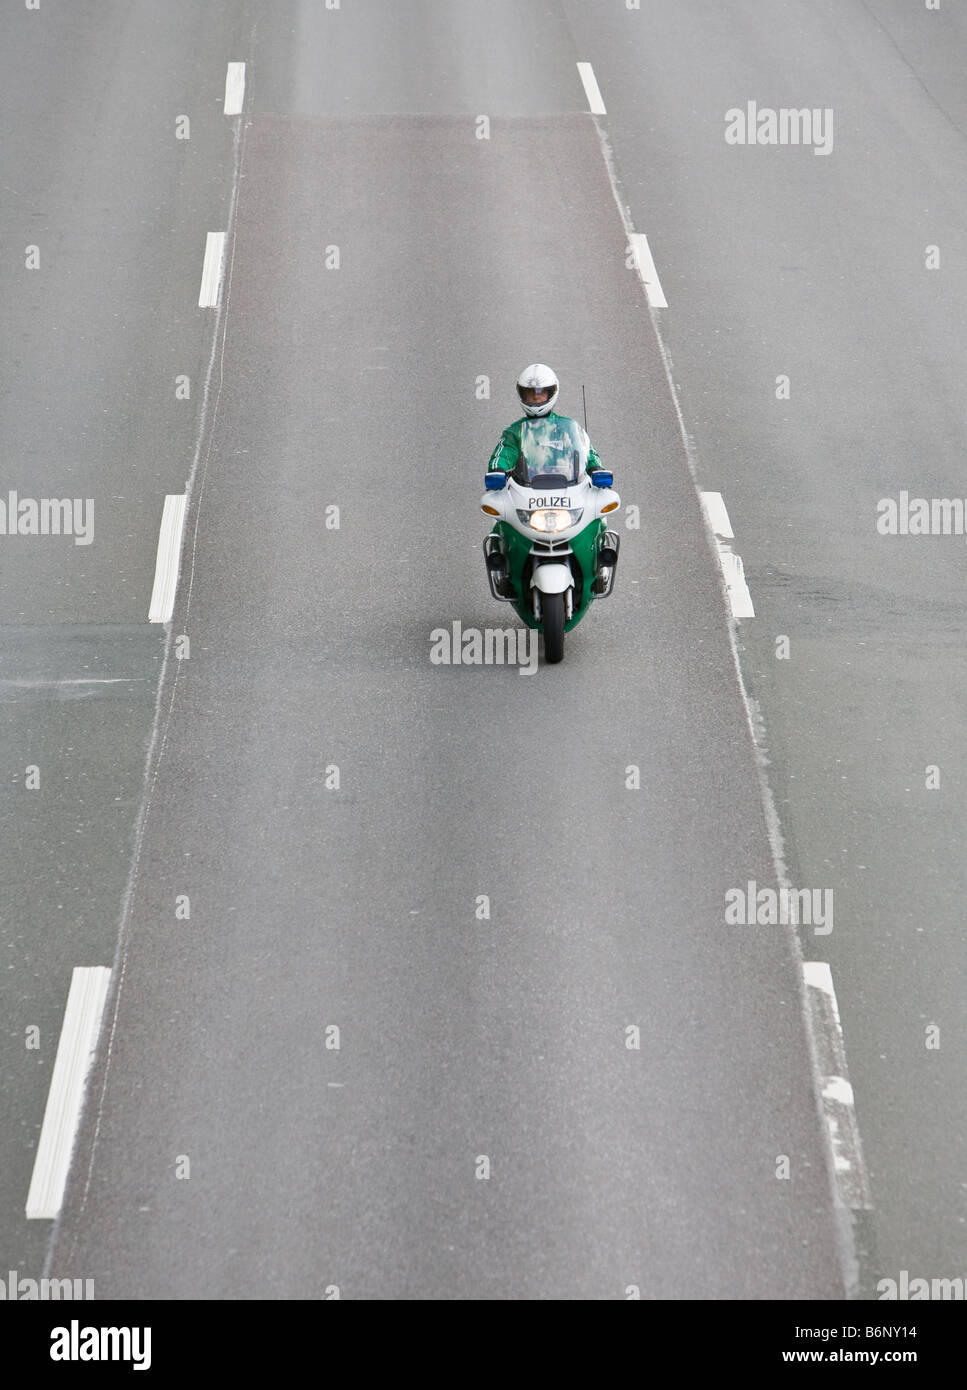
(535, 395)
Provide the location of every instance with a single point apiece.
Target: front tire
(552, 621)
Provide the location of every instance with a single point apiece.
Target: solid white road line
(648, 271)
(234, 89)
(78, 1036)
(740, 600)
(839, 1112)
(211, 271)
(591, 89)
(169, 554)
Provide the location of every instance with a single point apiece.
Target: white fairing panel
(552, 579)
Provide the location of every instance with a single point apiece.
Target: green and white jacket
(507, 452)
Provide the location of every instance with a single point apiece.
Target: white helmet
(534, 381)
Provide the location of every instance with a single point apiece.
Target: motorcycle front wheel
(552, 621)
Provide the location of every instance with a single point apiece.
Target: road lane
(92, 175)
(460, 1038)
(778, 262)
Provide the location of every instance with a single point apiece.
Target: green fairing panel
(518, 548)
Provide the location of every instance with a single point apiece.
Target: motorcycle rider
(537, 387)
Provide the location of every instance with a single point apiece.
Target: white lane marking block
(78, 1036)
(211, 271)
(169, 554)
(852, 1183)
(648, 271)
(591, 89)
(234, 89)
(718, 517)
(740, 600)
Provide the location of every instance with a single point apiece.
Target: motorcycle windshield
(552, 453)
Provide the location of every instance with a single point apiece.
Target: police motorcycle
(550, 553)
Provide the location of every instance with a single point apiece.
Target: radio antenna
(585, 400)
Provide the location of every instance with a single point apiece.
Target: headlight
(548, 519)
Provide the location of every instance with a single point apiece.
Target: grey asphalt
(311, 907)
(775, 260)
(460, 1038)
(92, 175)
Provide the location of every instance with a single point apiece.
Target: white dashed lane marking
(169, 554)
(591, 90)
(852, 1183)
(78, 1036)
(211, 271)
(740, 600)
(234, 89)
(648, 271)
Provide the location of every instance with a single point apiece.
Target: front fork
(536, 603)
